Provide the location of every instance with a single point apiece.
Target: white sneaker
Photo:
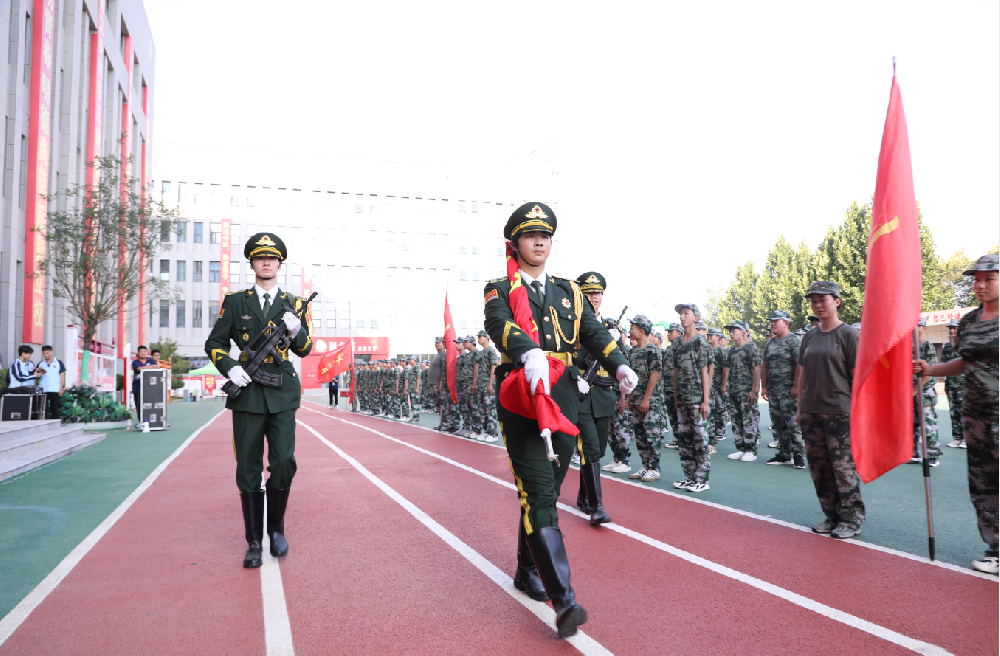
(610, 466)
(962, 445)
(916, 459)
(986, 565)
(749, 456)
(698, 487)
(575, 460)
(682, 485)
(955, 444)
(622, 468)
(736, 455)
(773, 445)
(491, 438)
(651, 475)
(639, 474)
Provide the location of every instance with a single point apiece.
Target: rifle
(275, 340)
(592, 369)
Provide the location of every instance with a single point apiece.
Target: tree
(168, 349)
(936, 295)
(956, 285)
(96, 245)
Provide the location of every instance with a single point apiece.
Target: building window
(475, 275)
(182, 270)
(296, 279)
(234, 278)
(234, 235)
(164, 231)
(463, 274)
(182, 194)
(461, 250)
(390, 277)
(465, 324)
(475, 250)
(374, 323)
(181, 312)
(431, 239)
(281, 278)
(213, 314)
(251, 278)
(182, 231)
(198, 232)
(196, 314)
(475, 206)
(461, 208)
(196, 276)
(359, 209)
(404, 242)
(213, 271)
(165, 270)
(164, 314)
(165, 189)
(360, 323)
(216, 233)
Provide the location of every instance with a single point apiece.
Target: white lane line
(797, 599)
(19, 613)
(736, 511)
(584, 643)
(277, 628)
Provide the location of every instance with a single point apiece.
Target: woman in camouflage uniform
(979, 348)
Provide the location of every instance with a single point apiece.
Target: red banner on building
(40, 105)
(224, 284)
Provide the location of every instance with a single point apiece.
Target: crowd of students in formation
(695, 380)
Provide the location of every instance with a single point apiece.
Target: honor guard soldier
(565, 322)
(262, 412)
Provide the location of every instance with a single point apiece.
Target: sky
(682, 139)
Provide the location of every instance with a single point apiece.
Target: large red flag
(335, 362)
(882, 399)
(449, 343)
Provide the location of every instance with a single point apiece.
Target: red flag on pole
(449, 343)
(335, 362)
(882, 399)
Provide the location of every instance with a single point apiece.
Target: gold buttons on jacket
(548, 337)
(545, 318)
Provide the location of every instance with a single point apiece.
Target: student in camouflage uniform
(718, 413)
(659, 394)
(724, 343)
(743, 384)
(925, 398)
(777, 378)
(425, 399)
(954, 388)
(463, 385)
(646, 362)
(673, 332)
(450, 417)
(411, 391)
(486, 422)
(979, 348)
(823, 380)
(692, 387)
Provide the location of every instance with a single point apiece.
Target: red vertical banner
(40, 120)
(143, 181)
(126, 150)
(224, 284)
(95, 126)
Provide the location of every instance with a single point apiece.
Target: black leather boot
(581, 496)
(526, 578)
(277, 501)
(253, 523)
(591, 475)
(547, 549)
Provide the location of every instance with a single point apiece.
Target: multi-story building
(381, 263)
(79, 81)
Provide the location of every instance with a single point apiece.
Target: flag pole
(918, 398)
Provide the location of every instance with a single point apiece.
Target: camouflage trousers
(929, 398)
(746, 424)
(782, 410)
(449, 411)
(671, 407)
(648, 429)
(692, 442)
(484, 422)
(831, 465)
(465, 403)
(718, 415)
(981, 445)
(411, 403)
(620, 435)
(955, 399)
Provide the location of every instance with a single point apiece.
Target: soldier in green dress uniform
(262, 412)
(566, 323)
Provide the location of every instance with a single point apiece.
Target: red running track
(364, 576)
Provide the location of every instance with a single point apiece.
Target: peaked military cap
(824, 287)
(530, 217)
(988, 262)
(266, 244)
(689, 306)
(592, 282)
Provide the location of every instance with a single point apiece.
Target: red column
(126, 149)
(143, 181)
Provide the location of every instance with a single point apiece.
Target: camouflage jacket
(949, 353)
(668, 368)
(742, 360)
(979, 347)
(644, 360)
(689, 359)
(463, 370)
(721, 355)
(929, 354)
(781, 356)
(488, 357)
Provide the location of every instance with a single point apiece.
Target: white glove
(239, 376)
(615, 334)
(627, 380)
(536, 368)
(293, 323)
(582, 385)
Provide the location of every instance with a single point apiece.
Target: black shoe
(277, 501)
(253, 524)
(800, 462)
(549, 554)
(526, 578)
(591, 475)
(581, 496)
(779, 460)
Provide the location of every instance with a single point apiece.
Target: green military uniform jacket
(566, 323)
(240, 320)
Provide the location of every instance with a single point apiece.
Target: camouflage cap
(674, 326)
(740, 325)
(643, 322)
(856, 326)
(439, 340)
(482, 333)
(922, 322)
(824, 287)
(700, 325)
(470, 338)
(715, 332)
(780, 314)
(689, 306)
(413, 357)
(458, 340)
(953, 323)
(989, 262)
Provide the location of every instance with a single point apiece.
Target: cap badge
(593, 279)
(265, 241)
(536, 213)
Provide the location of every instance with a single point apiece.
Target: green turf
(46, 513)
